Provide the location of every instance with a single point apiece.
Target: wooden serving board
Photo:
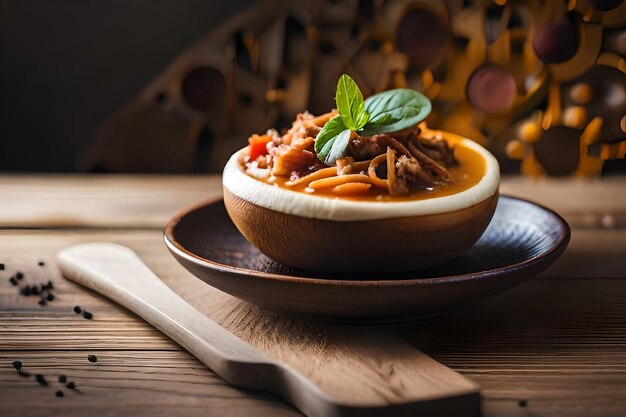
(356, 365)
(353, 374)
(363, 364)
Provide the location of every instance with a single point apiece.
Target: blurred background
(164, 86)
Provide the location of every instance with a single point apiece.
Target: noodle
(399, 147)
(322, 173)
(391, 168)
(361, 165)
(372, 171)
(347, 166)
(338, 180)
(407, 163)
(351, 188)
(329, 172)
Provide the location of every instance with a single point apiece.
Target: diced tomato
(258, 145)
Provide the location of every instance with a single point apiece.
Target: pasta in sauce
(410, 165)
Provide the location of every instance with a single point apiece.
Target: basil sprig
(389, 111)
(394, 110)
(332, 141)
(350, 104)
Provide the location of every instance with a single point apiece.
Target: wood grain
(557, 342)
(128, 382)
(108, 201)
(583, 202)
(359, 377)
(148, 201)
(512, 351)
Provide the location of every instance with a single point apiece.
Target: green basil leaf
(394, 110)
(339, 147)
(350, 103)
(331, 129)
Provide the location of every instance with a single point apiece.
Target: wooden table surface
(553, 346)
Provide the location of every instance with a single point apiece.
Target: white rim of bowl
(301, 204)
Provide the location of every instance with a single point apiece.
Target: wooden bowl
(522, 240)
(339, 235)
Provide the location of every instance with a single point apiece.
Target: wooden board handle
(117, 273)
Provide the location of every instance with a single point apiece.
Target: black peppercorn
(42, 301)
(19, 275)
(87, 315)
(13, 280)
(62, 378)
(522, 403)
(77, 309)
(92, 358)
(41, 380)
(59, 393)
(1, 267)
(70, 385)
(40, 263)
(50, 296)
(25, 291)
(17, 365)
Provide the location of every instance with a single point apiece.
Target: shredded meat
(409, 175)
(298, 130)
(422, 162)
(436, 149)
(412, 161)
(344, 165)
(295, 161)
(438, 172)
(306, 125)
(368, 147)
(262, 161)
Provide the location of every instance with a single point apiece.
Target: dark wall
(66, 65)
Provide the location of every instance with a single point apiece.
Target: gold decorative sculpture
(538, 82)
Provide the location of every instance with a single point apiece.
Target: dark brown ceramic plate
(522, 240)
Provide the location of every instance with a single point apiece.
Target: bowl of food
(364, 188)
